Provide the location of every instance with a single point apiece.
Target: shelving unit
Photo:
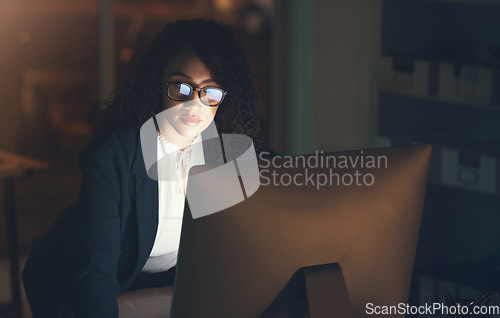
(436, 33)
(440, 100)
(463, 195)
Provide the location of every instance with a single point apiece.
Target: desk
(14, 166)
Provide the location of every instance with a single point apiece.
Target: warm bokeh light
(126, 54)
(224, 5)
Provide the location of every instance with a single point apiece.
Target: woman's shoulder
(117, 142)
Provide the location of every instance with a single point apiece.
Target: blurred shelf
(457, 102)
(463, 191)
(493, 3)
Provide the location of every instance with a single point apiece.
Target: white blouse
(173, 171)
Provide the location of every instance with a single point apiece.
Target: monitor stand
(327, 292)
(315, 291)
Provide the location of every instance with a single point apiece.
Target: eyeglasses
(209, 96)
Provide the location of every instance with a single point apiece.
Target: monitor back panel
(234, 263)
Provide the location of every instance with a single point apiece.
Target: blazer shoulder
(112, 150)
(118, 141)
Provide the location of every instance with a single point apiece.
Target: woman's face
(186, 119)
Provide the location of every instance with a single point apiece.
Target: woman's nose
(194, 101)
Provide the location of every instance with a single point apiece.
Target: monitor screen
(360, 209)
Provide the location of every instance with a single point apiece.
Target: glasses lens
(211, 96)
(179, 91)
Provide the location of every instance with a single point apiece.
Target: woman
(123, 232)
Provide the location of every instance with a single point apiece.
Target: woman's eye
(184, 89)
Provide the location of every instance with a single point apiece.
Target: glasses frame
(193, 89)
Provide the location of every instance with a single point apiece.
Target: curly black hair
(140, 96)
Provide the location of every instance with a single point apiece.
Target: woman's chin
(189, 134)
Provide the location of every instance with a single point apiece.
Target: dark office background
(330, 75)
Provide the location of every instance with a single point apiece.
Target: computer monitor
(360, 209)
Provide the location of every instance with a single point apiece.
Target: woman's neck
(174, 138)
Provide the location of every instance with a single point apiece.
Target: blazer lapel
(146, 196)
(146, 191)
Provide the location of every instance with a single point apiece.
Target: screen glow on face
(191, 98)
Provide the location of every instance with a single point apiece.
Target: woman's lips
(191, 121)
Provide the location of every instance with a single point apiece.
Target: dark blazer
(98, 246)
